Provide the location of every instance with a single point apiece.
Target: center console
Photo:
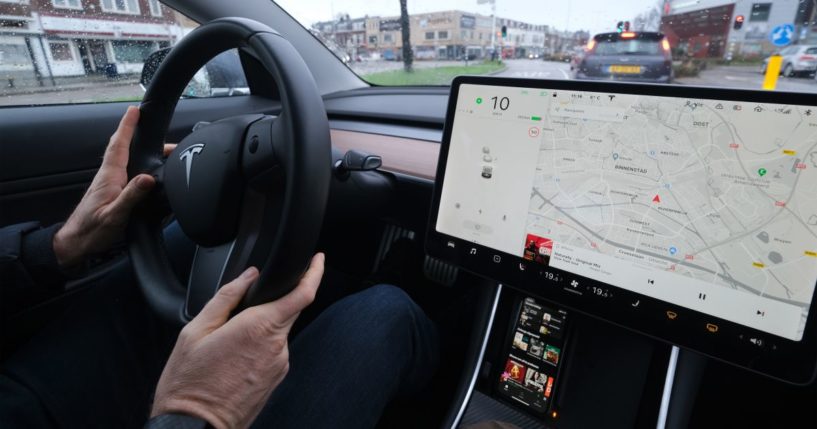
(668, 220)
(596, 374)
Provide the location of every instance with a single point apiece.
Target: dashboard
(686, 214)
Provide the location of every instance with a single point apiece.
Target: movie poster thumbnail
(552, 354)
(536, 381)
(514, 371)
(521, 341)
(536, 348)
(538, 249)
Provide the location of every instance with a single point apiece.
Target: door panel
(49, 154)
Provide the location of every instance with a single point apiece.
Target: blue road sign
(782, 35)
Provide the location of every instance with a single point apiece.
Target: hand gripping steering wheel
(249, 190)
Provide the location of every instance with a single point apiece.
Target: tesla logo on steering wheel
(187, 157)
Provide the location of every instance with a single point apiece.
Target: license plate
(625, 69)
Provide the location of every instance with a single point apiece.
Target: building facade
(707, 28)
(522, 39)
(444, 35)
(43, 40)
(347, 33)
(384, 37)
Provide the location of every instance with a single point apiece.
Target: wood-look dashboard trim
(400, 155)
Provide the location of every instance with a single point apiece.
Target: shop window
(61, 51)
(14, 54)
(121, 6)
(155, 7)
(67, 4)
(127, 51)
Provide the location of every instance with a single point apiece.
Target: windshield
(705, 42)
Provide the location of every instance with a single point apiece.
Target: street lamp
(493, 23)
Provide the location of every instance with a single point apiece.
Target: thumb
(137, 189)
(216, 312)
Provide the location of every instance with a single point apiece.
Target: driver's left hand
(99, 221)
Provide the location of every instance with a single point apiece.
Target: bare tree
(408, 56)
(650, 19)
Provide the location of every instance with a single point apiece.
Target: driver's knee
(378, 329)
(397, 329)
(402, 312)
(388, 308)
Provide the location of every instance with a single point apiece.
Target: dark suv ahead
(630, 56)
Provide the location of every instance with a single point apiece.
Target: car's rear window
(811, 51)
(628, 47)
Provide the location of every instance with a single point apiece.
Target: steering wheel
(249, 190)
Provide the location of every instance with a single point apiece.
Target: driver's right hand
(223, 371)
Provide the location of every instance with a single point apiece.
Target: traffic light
(738, 22)
(504, 31)
(623, 26)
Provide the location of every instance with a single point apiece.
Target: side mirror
(221, 76)
(152, 63)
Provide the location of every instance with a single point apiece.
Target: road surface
(747, 77)
(536, 69)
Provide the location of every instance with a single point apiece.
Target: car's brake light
(591, 44)
(666, 48)
(807, 58)
(627, 35)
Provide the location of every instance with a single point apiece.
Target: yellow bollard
(772, 72)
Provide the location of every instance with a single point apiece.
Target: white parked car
(797, 60)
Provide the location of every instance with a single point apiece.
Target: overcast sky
(593, 15)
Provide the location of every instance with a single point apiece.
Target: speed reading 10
(502, 103)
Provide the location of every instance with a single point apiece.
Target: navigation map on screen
(707, 204)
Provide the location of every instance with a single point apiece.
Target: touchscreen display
(706, 204)
(535, 354)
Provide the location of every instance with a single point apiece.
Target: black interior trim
(391, 90)
(685, 387)
(29, 149)
(482, 324)
(32, 184)
(415, 108)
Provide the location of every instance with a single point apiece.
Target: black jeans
(98, 363)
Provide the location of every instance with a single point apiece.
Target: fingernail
(249, 273)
